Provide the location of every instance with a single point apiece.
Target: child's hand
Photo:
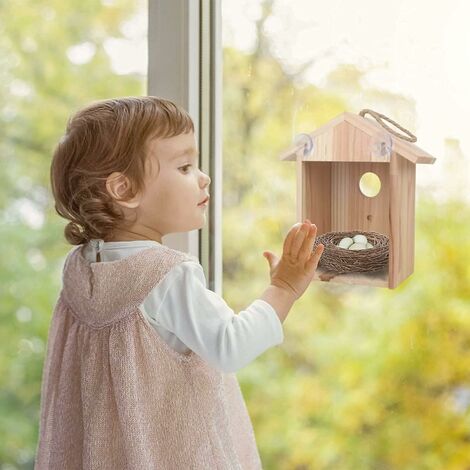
(295, 270)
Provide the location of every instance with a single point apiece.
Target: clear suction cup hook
(307, 140)
(382, 146)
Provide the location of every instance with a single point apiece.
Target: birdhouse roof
(368, 126)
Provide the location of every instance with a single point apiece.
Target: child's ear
(119, 186)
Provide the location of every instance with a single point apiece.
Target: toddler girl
(141, 357)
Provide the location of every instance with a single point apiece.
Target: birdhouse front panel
(356, 182)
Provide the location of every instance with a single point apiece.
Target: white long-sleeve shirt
(188, 316)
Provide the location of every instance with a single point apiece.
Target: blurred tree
(366, 378)
(52, 61)
(357, 384)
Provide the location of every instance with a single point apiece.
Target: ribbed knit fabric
(115, 396)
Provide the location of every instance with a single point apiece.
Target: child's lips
(205, 201)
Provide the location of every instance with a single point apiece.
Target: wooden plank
(408, 150)
(318, 194)
(402, 219)
(350, 208)
(356, 144)
(375, 279)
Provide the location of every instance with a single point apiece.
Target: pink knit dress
(116, 396)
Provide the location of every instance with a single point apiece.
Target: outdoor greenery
(366, 379)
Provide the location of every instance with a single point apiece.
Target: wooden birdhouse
(357, 176)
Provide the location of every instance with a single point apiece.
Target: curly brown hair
(101, 138)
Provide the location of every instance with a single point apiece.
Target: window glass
(366, 377)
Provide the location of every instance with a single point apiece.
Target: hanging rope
(410, 137)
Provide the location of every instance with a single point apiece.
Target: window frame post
(185, 66)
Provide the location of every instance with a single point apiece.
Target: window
(366, 377)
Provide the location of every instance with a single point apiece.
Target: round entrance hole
(369, 184)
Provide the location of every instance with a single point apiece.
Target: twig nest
(353, 251)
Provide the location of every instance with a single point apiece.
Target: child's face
(174, 186)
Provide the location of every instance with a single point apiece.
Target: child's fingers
(290, 238)
(307, 244)
(298, 240)
(312, 262)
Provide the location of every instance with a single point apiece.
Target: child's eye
(185, 166)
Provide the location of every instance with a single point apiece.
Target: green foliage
(372, 382)
(366, 378)
(40, 87)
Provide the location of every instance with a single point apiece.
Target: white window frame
(185, 66)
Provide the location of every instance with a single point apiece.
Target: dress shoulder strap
(101, 293)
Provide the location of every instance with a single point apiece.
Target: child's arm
(280, 299)
(202, 320)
